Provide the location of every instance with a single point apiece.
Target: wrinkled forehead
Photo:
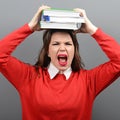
(61, 36)
(52, 31)
(58, 33)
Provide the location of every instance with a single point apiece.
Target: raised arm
(34, 23)
(104, 74)
(9, 43)
(88, 26)
(13, 69)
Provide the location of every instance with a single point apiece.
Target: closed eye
(68, 43)
(56, 43)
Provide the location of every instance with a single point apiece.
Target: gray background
(103, 13)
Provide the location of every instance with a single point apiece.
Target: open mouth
(62, 59)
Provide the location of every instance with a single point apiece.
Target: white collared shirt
(53, 71)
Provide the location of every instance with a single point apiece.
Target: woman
(57, 87)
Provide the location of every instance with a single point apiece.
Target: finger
(81, 11)
(77, 31)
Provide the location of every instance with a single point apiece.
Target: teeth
(63, 58)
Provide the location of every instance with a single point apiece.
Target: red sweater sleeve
(11, 41)
(13, 69)
(103, 75)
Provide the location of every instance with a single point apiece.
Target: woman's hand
(34, 23)
(86, 27)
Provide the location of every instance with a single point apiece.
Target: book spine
(49, 25)
(60, 13)
(62, 19)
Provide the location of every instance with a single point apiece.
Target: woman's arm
(86, 27)
(11, 41)
(34, 23)
(13, 69)
(103, 75)
(10, 67)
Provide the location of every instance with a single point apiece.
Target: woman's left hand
(86, 27)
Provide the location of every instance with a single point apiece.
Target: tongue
(62, 62)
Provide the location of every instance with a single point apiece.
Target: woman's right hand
(34, 23)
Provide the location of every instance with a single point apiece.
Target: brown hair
(44, 60)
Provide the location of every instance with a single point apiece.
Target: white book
(60, 12)
(55, 25)
(63, 19)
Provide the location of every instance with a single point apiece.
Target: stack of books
(60, 19)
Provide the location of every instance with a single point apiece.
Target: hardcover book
(60, 12)
(61, 19)
(55, 25)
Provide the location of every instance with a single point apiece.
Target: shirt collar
(53, 71)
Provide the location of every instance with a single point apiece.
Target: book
(57, 25)
(60, 12)
(62, 19)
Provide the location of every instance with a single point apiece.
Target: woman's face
(61, 50)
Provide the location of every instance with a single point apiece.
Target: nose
(62, 47)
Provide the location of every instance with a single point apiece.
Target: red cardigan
(58, 99)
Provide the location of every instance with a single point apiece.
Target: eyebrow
(64, 42)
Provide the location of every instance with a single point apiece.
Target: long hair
(43, 59)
